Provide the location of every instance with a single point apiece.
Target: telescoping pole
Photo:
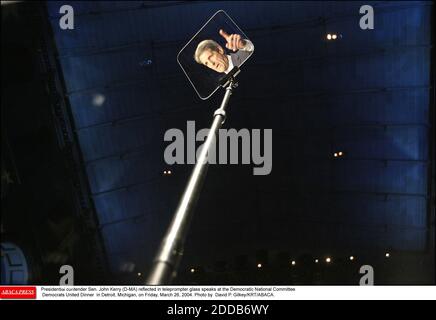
(171, 249)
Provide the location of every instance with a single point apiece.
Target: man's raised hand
(234, 41)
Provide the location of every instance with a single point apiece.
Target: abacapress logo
(14, 292)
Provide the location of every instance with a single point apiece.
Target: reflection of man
(212, 55)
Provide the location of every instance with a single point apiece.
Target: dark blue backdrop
(366, 94)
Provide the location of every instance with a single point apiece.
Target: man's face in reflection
(215, 59)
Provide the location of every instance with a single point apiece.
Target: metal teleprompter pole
(170, 252)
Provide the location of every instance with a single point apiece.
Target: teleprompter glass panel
(213, 53)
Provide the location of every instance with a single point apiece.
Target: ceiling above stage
(365, 94)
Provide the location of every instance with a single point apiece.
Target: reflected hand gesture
(234, 41)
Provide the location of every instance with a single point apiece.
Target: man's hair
(205, 45)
